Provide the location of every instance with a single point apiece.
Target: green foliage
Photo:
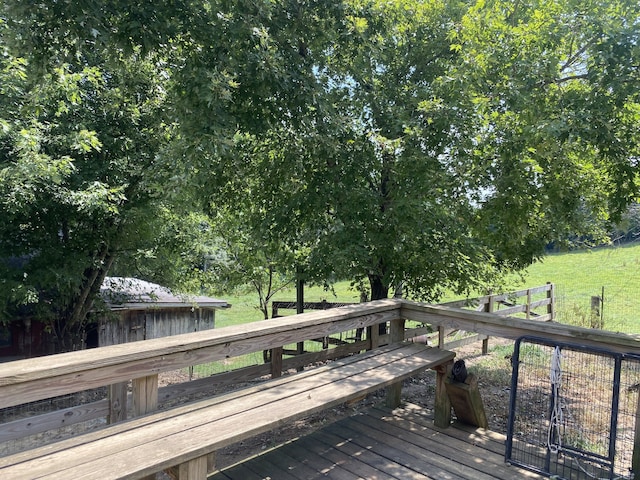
(79, 162)
(429, 146)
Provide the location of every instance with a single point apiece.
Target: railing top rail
(37, 378)
(513, 328)
(106, 365)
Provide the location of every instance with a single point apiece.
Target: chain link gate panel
(573, 410)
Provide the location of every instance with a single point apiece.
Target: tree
(111, 114)
(447, 144)
(549, 118)
(80, 166)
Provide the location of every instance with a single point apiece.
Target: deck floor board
(383, 444)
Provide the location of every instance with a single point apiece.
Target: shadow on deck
(383, 444)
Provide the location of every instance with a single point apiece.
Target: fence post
(145, 394)
(490, 307)
(551, 307)
(117, 402)
(276, 362)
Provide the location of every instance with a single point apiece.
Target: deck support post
(276, 362)
(394, 391)
(145, 395)
(117, 402)
(442, 409)
(195, 469)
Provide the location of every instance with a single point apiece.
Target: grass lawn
(581, 275)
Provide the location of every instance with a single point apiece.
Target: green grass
(244, 305)
(578, 276)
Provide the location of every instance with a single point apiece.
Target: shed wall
(134, 325)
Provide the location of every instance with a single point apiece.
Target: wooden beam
(195, 469)
(276, 362)
(117, 396)
(513, 328)
(44, 377)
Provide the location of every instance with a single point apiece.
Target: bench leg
(442, 410)
(195, 469)
(177, 473)
(394, 395)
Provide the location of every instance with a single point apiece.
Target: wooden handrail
(38, 378)
(510, 327)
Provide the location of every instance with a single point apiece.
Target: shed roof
(128, 293)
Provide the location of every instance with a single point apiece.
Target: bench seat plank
(138, 448)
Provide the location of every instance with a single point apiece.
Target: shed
(141, 310)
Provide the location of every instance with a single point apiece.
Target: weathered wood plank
(474, 463)
(370, 452)
(380, 443)
(507, 327)
(195, 469)
(145, 395)
(34, 379)
(230, 398)
(368, 432)
(48, 421)
(117, 396)
(179, 438)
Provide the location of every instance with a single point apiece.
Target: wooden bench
(186, 437)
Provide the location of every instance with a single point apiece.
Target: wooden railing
(140, 363)
(536, 303)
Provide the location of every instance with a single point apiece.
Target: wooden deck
(382, 444)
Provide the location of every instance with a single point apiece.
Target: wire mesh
(573, 411)
(22, 427)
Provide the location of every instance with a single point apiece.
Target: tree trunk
(379, 291)
(378, 288)
(69, 329)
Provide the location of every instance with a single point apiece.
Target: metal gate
(573, 411)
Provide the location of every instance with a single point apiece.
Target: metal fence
(573, 410)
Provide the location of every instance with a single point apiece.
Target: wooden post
(466, 401)
(490, 307)
(145, 395)
(117, 402)
(211, 462)
(373, 334)
(442, 409)
(551, 307)
(195, 469)
(299, 307)
(394, 392)
(441, 335)
(528, 308)
(276, 362)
